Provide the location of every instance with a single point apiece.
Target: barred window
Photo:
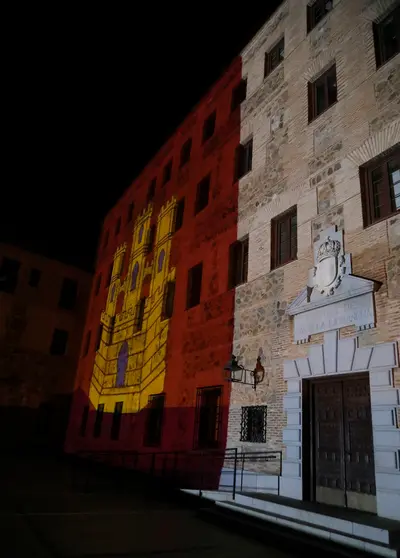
(253, 427)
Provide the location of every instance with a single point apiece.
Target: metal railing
(198, 470)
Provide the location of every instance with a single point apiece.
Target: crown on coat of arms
(328, 249)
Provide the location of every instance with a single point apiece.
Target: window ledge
(283, 264)
(388, 61)
(266, 77)
(323, 112)
(394, 214)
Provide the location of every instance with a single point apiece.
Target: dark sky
(91, 96)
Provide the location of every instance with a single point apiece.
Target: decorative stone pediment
(333, 298)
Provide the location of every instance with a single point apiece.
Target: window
(194, 285)
(99, 337)
(185, 152)
(116, 420)
(274, 57)
(34, 277)
(243, 159)
(152, 190)
(59, 342)
(169, 296)
(387, 37)
(140, 314)
(316, 12)
(87, 343)
(160, 262)
(208, 417)
(98, 285)
(209, 126)
(84, 420)
(9, 275)
(179, 212)
(98, 421)
(151, 238)
(109, 276)
(167, 172)
(322, 93)
(68, 294)
(239, 94)
(155, 415)
(284, 238)
(253, 427)
(130, 212)
(106, 237)
(238, 262)
(134, 277)
(380, 187)
(202, 194)
(118, 226)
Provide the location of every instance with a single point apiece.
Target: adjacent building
(42, 312)
(268, 226)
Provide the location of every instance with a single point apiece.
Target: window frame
(313, 113)
(243, 154)
(202, 198)
(201, 411)
(98, 422)
(54, 342)
(209, 126)
(367, 194)
(140, 312)
(247, 427)
(186, 152)
(116, 421)
(151, 190)
(179, 212)
(239, 93)
(167, 172)
(238, 262)
(155, 408)
(269, 64)
(379, 45)
(276, 223)
(312, 20)
(168, 304)
(191, 300)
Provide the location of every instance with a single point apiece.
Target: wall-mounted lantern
(235, 372)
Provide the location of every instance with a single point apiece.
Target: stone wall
(316, 167)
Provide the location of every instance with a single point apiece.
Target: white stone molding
(376, 11)
(344, 356)
(376, 144)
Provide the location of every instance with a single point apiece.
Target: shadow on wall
(41, 428)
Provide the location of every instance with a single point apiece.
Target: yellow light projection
(130, 363)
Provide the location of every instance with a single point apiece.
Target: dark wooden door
(343, 458)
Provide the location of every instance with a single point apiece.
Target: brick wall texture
(316, 167)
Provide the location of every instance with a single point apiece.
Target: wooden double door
(342, 456)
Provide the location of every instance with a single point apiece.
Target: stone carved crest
(330, 266)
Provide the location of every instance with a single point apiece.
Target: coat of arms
(330, 266)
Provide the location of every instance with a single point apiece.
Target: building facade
(42, 312)
(319, 210)
(160, 321)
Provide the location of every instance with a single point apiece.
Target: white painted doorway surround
(344, 356)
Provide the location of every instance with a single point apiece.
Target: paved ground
(45, 513)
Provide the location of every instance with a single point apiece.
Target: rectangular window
(106, 237)
(98, 421)
(387, 37)
(68, 294)
(274, 57)
(155, 415)
(209, 126)
(98, 285)
(186, 152)
(9, 275)
(151, 237)
(253, 426)
(169, 296)
(317, 11)
(243, 159)
(59, 342)
(380, 187)
(202, 194)
(239, 94)
(87, 343)
(116, 420)
(167, 172)
(84, 421)
(179, 212)
(99, 337)
(208, 418)
(195, 275)
(109, 276)
(238, 262)
(284, 238)
(118, 226)
(322, 93)
(151, 192)
(130, 212)
(140, 313)
(34, 277)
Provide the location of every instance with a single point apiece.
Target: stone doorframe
(342, 356)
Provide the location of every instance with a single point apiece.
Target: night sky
(91, 96)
